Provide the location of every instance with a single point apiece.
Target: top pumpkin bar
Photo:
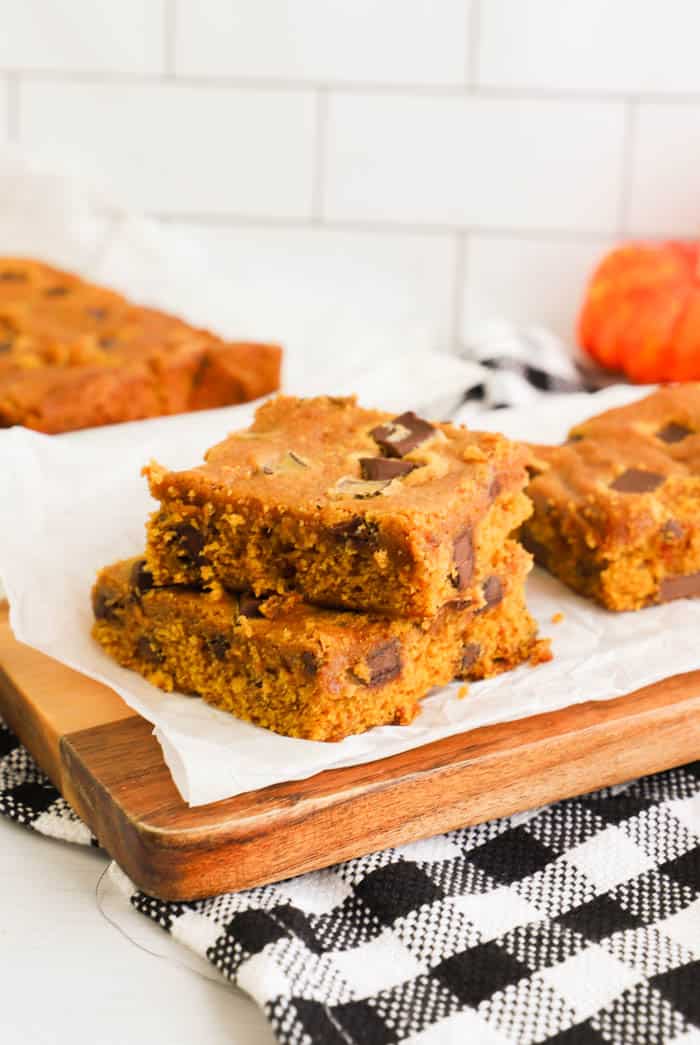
(350, 508)
(74, 355)
(617, 509)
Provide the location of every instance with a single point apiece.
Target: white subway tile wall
(398, 165)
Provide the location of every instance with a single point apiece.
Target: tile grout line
(319, 157)
(457, 89)
(628, 144)
(398, 228)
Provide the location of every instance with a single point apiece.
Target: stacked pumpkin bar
(324, 569)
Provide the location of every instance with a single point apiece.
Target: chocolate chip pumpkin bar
(617, 509)
(346, 507)
(74, 355)
(302, 670)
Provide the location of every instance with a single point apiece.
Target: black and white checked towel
(574, 924)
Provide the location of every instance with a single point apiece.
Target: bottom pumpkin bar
(302, 670)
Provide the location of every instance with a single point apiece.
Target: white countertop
(69, 976)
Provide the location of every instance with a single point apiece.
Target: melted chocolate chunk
(636, 480)
(106, 604)
(249, 605)
(357, 530)
(56, 292)
(586, 568)
(672, 530)
(147, 649)
(309, 662)
(673, 433)
(493, 592)
(464, 559)
(107, 342)
(686, 586)
(384, 468)
(5, 346)
(470, 654)
(190, 541)
(495, 488)
(403, 434)
(96, 313)
(13, 276)
(384, 663)
(141, 579)
(217, 644)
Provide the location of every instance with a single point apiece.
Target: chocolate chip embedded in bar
(141, 578)
(493, 592)
(686, 586)
(674, 433)
(470, 655)
(190, 540)
(403, 434)
(384, 468)
(464, 559)
(637, 480)
(384, 663)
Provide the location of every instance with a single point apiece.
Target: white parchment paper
(73, 503)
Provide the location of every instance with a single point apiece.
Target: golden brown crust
(74, 355)
(617, 508)
(301, 670)
(287, 505)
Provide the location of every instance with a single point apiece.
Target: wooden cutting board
(108, 765)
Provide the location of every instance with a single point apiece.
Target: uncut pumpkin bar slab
(301, 670)
(617, 509)
(74, 355)
(348, 507)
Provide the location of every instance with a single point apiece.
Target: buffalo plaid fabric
(575, 924)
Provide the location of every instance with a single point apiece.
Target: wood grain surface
(110, 768)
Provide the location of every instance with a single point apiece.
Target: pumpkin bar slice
(347, 507)
(74, 355)
(301, 670)
(617, 509)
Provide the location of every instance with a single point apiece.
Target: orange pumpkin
(641, 314)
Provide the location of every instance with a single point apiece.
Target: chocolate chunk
(106, 604)
(96, 313)
(107, 342)
(249, 605)
(535, 547)
(403, 434)
(384, 663)
(636, 480)
(309, 663)
(470, 654)
(464, 559)
(357, 530)
(575, 437)
(56, 292)
(147, 649)
(5, 346)
(12, 276)
(384, 468)
(672, 530)
(493, 592)
(673, 433)
(191, 542)
(141, 579)
(217, 644)
(686, 586)
(495, 488)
